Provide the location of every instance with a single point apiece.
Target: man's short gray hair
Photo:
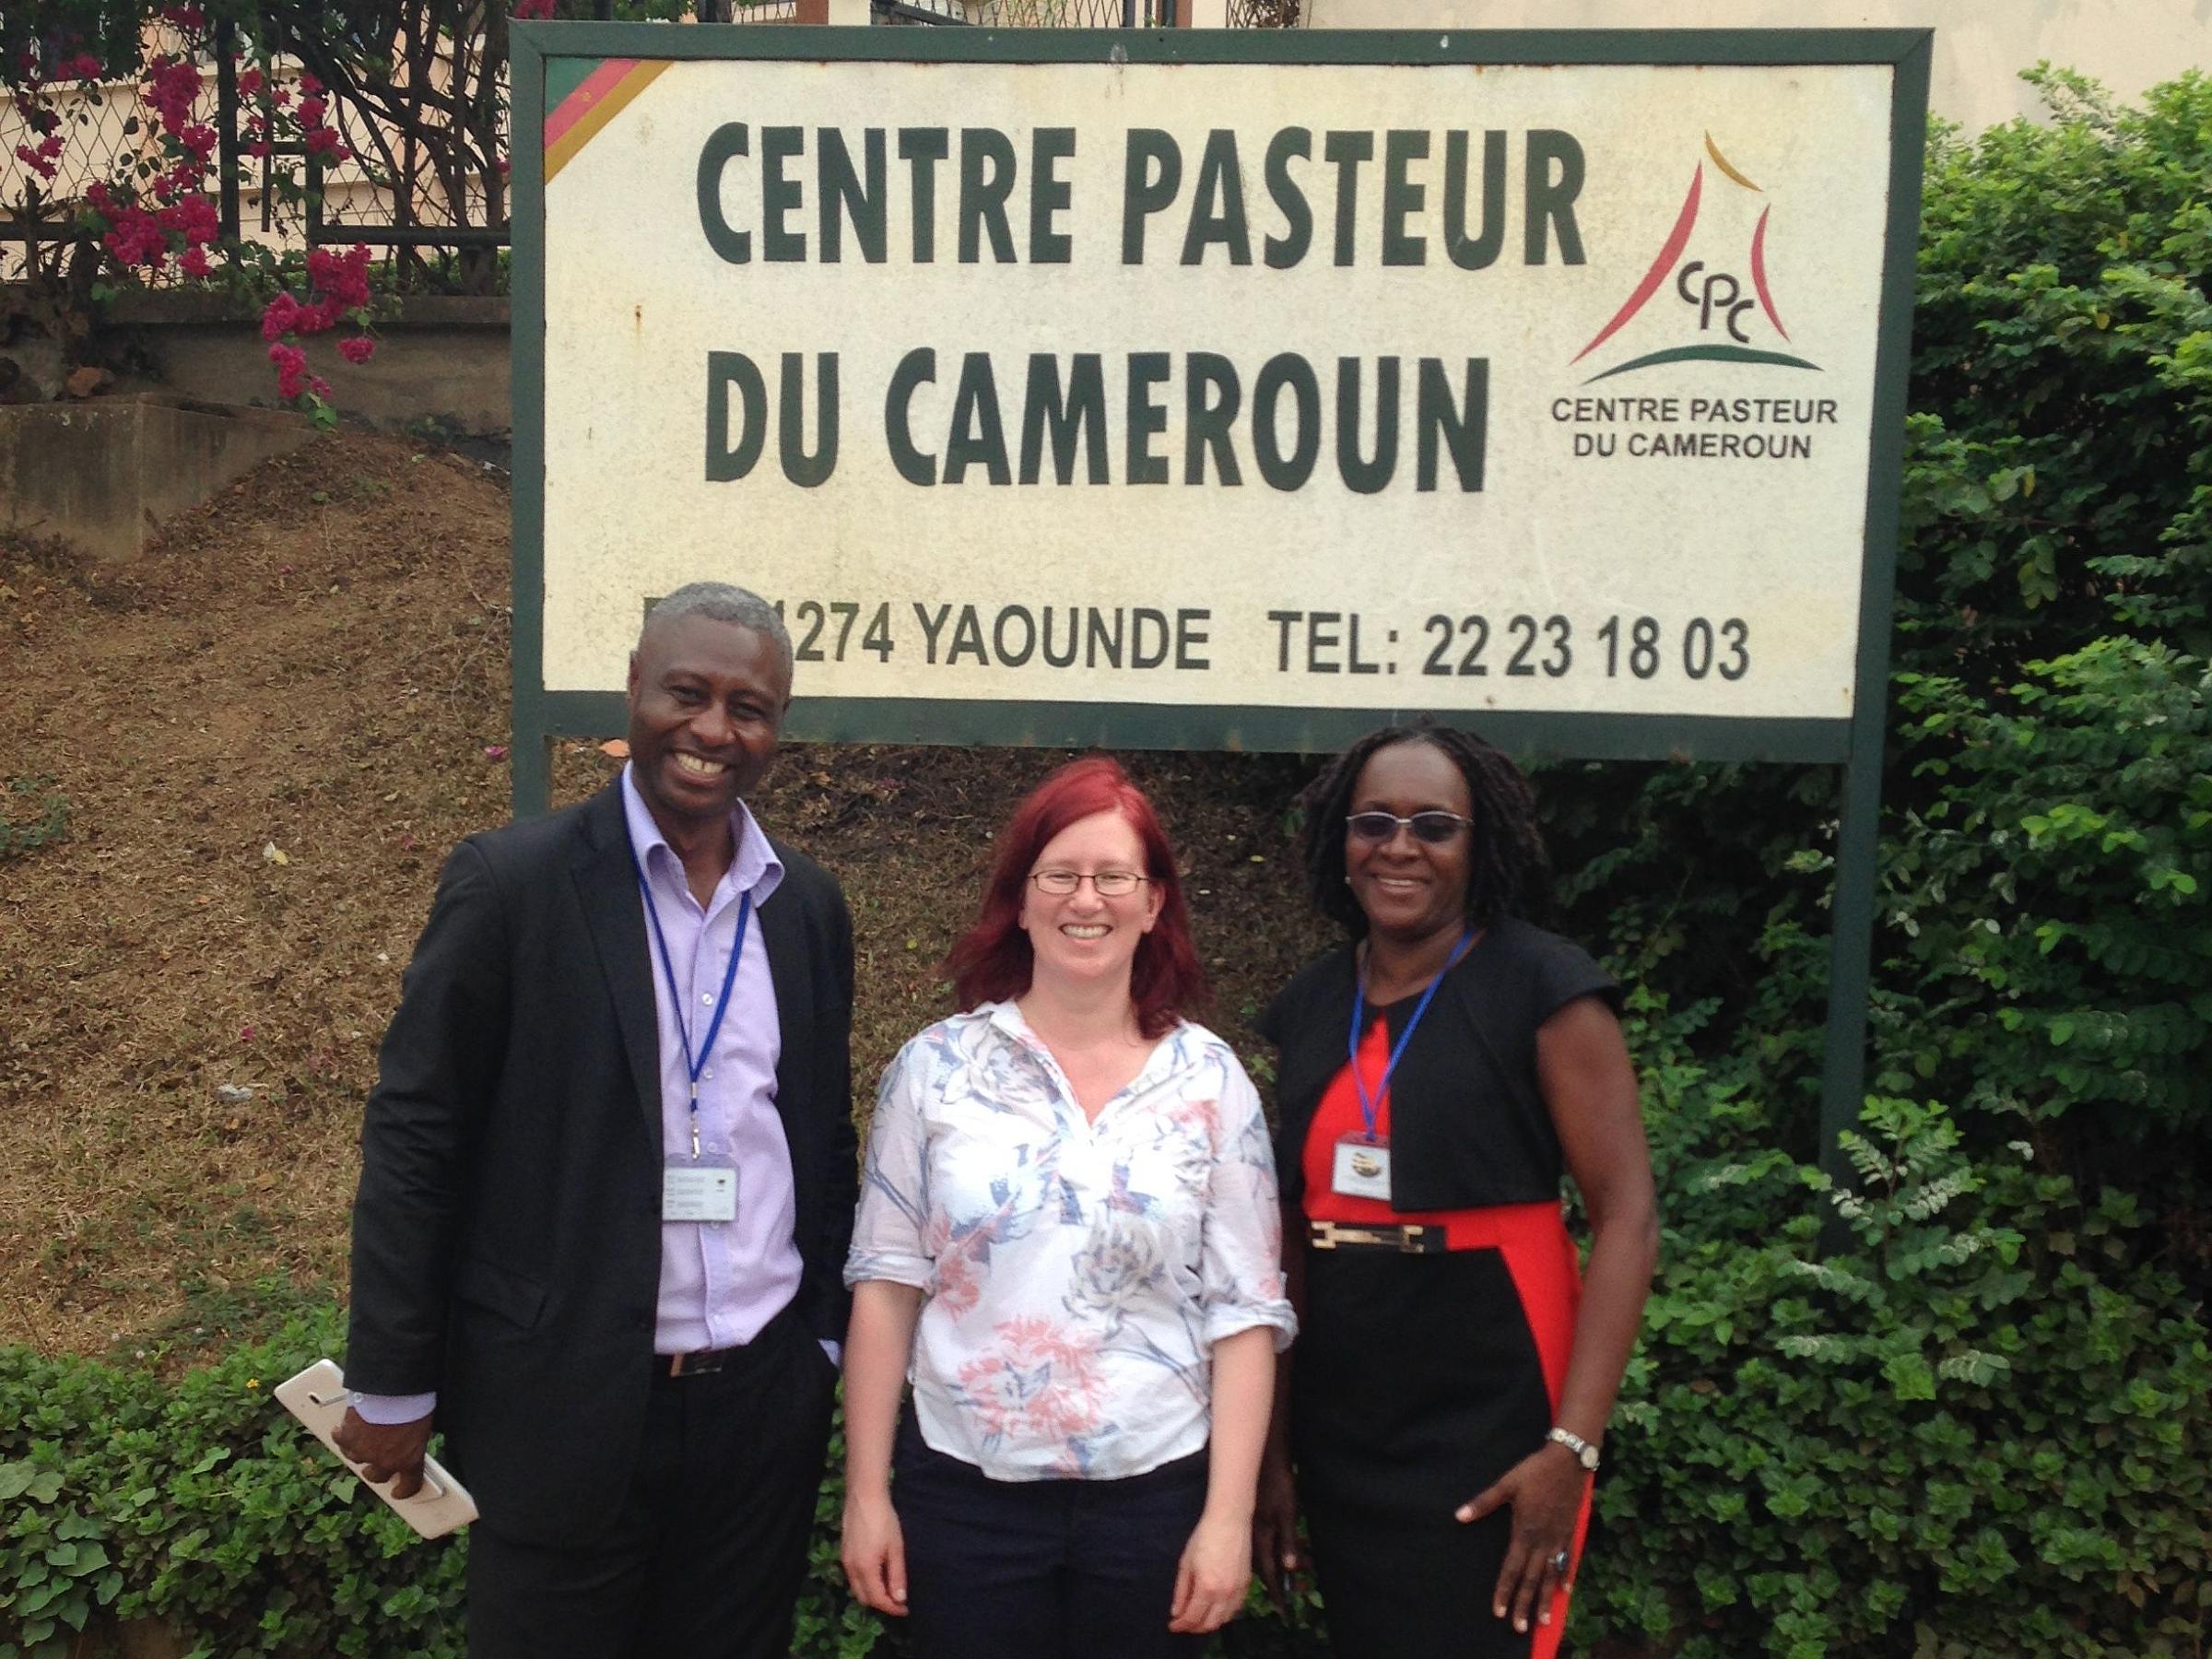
(724, 602)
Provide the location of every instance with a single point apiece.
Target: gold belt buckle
(1328, 1235)
(1408, 1239)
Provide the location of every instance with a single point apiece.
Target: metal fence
(1030, 14)
(390, 193)
(1270, 14)
(103, 139)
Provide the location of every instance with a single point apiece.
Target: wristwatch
(1585, 1453)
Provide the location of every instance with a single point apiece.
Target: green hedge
(1982, 1428)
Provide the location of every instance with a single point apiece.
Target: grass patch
(34, 813)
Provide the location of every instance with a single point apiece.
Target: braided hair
(1509, 873)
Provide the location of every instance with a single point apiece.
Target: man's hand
(386, 1450)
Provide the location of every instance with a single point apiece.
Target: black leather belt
(701, 1362)
(1409, 1240)
(767, 1348)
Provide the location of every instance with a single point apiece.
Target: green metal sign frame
(555, 54)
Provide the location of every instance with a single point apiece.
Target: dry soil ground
(264, 734)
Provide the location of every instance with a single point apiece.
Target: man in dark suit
(607, 1183)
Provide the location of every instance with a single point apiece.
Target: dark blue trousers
(1042, 1568)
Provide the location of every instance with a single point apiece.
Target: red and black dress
(1420, 1377)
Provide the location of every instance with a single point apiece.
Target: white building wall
(1980, 45)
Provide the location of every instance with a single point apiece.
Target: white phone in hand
(318, 1397)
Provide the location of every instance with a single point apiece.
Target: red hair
(991, 962)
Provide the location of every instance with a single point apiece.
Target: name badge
(699, 1192)
(1362, 1168)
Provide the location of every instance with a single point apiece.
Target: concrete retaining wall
(194, 409)
(104, 473)
(443, 361)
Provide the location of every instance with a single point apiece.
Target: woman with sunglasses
(1454, 1372)
(1068, 1239)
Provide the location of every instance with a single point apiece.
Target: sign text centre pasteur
(1066, 394)
(1328, 386)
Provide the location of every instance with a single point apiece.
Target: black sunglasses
(1434, 828)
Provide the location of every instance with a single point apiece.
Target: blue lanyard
(1370, 1104)
(694, 1062)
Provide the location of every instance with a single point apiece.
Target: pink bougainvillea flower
(356, 350)
(276, 321)
(292, 370)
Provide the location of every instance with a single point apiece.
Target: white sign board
(1449, 385)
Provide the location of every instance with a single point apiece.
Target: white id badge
(699, 1192)
(1362, 1168)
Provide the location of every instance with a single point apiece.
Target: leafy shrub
(1982, 1430)
(2053, 902)
(56, 1565)
(2055, 484)
(204, 1504)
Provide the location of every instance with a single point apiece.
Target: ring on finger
(1558, 1562)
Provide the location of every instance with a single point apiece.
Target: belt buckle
(699, 1363)
(1408, 1239)
(1329, 1235)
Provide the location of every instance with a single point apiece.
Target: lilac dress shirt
(720, 1282)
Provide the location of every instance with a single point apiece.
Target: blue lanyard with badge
(1362, 1169)
(698, 1189)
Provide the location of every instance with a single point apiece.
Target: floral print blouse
(1077, 1275)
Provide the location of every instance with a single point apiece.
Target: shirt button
(706, 1076)
(705, 997)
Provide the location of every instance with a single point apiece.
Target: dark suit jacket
(506, 1234)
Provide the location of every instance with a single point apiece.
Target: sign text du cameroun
(1063, 401)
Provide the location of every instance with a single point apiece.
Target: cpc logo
(1737, 307)
(1717, 297)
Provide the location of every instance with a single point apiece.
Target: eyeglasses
(1434, 828)
(1107, 884)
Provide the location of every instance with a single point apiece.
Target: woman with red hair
(1067, 1240)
